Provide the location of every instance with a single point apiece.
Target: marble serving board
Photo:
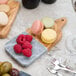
(23, 74)
(37, 51)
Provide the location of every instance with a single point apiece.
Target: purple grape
(14, 72)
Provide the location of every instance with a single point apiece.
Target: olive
(5, 67)
(0, 63)
(6, 74)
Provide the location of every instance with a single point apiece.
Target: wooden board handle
(61, 22)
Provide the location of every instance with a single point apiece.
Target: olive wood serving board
(59, 24)
(14, 7)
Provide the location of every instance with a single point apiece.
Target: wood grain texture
(14, 7)
(59, 24)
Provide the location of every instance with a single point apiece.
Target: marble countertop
(24, 19)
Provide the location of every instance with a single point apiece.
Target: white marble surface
(25, 17)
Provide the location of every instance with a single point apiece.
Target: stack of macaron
(44, 29)
(23, 45)
(4, 9)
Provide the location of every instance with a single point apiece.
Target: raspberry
(27, 45)
(27, 52)
(21, 39)
(17, 48)
(28, 38)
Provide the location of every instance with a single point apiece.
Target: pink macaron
(3, 1)
(37, 27)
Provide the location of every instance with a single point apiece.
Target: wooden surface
(59, 24)
(14, 7)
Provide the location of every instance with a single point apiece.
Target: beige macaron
(4, 8)
(48, 36)
(3, 19)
